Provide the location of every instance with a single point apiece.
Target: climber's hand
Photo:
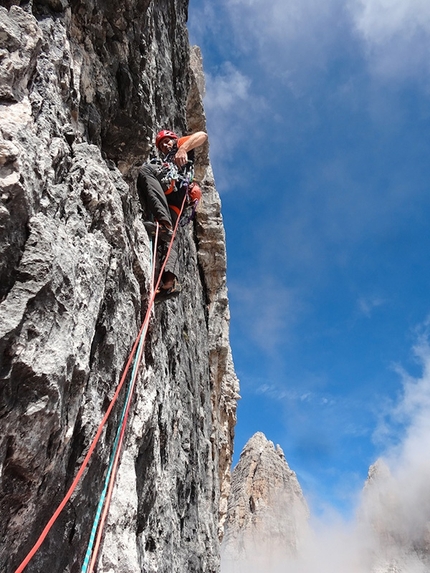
(181, 157)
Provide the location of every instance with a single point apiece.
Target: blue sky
(319, 123)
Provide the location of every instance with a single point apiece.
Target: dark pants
(152, 197)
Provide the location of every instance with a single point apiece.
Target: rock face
(267, 514)
(396, 514)
(84, 84)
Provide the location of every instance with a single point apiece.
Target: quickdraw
(194, 194)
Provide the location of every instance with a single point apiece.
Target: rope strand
(102, 424)
(118, 453)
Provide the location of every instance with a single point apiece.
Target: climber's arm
(195, 140)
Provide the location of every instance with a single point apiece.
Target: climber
(162, 184)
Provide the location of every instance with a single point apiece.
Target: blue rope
(112, 458)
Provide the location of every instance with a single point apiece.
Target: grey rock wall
(83, 87)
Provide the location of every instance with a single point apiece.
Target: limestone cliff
(84, 85)
(267, 513)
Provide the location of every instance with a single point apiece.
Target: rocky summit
(268, 530)
(267, 513)
(84, 86)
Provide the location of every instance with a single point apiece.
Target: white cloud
(286, 35)
(396, 504)
(396, 35)
(366, 305)
(294, 37)
(381, 20)
(281, 394)
(390, 532)
(266, 310)
(414, 411)
(203, 17)
(232, 109)
(228, 89)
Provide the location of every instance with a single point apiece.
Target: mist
(390, 531)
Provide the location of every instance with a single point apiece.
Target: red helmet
(163, 134)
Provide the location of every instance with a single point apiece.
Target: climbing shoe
(166, 293)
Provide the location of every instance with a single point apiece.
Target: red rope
(93, 444)
(121, 438)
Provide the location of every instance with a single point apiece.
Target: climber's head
(165, 140)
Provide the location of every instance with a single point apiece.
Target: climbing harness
(171, 177)
(182, 181)
(103, 505)
(175, 180)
